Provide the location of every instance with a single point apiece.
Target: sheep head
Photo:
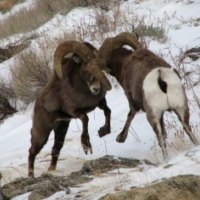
(85, 53)
(110, 44)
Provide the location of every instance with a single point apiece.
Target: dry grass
(28, 19)
(6, 5)
(8, 104)
(181, 141)
(23, 20)
(30, 75)
(7, 91)
(189, 73)
(33, 68)
(116, 20)
(154, 32)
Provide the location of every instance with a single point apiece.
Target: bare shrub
(117, 20)
(190, 75)
(102, 21)
(106, 22)
(190, 79)
(103, 4)
(30, 75)
(32, 69)
(154, 32)
(7, 100)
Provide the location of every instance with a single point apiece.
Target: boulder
(185, 187)
(12, 49)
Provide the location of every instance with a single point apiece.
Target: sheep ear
(76, 59)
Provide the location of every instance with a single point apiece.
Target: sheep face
(92, 83)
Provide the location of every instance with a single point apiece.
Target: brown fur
(124, 63)
(60, 101)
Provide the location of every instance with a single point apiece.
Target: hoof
(103, 131)
(120, 138)
(52, 168)
(30, 174)
(87, 148)
(85, 142)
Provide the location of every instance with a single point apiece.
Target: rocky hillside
(132, 170)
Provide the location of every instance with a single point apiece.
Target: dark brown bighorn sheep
(73, 90)
(149, 83)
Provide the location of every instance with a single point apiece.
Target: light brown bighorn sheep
(73, 90)
(149, 83)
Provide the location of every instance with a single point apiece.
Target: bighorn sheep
(149, 83)
(73, 90)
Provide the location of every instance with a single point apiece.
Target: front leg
(104, 130)
(85, 138)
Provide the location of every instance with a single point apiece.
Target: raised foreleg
(104, 130)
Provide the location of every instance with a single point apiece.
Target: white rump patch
(156, 98)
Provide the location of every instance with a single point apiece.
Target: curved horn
(86, 52)
(71, 47)
(111, 44)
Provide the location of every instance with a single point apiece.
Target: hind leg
(133, 110)
(38, 140)
(163, 128)
(156, 121)
(183, 115)
(123, 135)
(60, 130)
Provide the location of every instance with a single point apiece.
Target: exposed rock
(181, 187)
(108, 163)
(177, 188)
(12, 49)
(47, 185)
(193, 53)
(5, 108)
(41, 187)
(16, 47)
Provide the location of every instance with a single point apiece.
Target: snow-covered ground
(179, 19)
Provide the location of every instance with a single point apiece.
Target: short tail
(162, 84)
